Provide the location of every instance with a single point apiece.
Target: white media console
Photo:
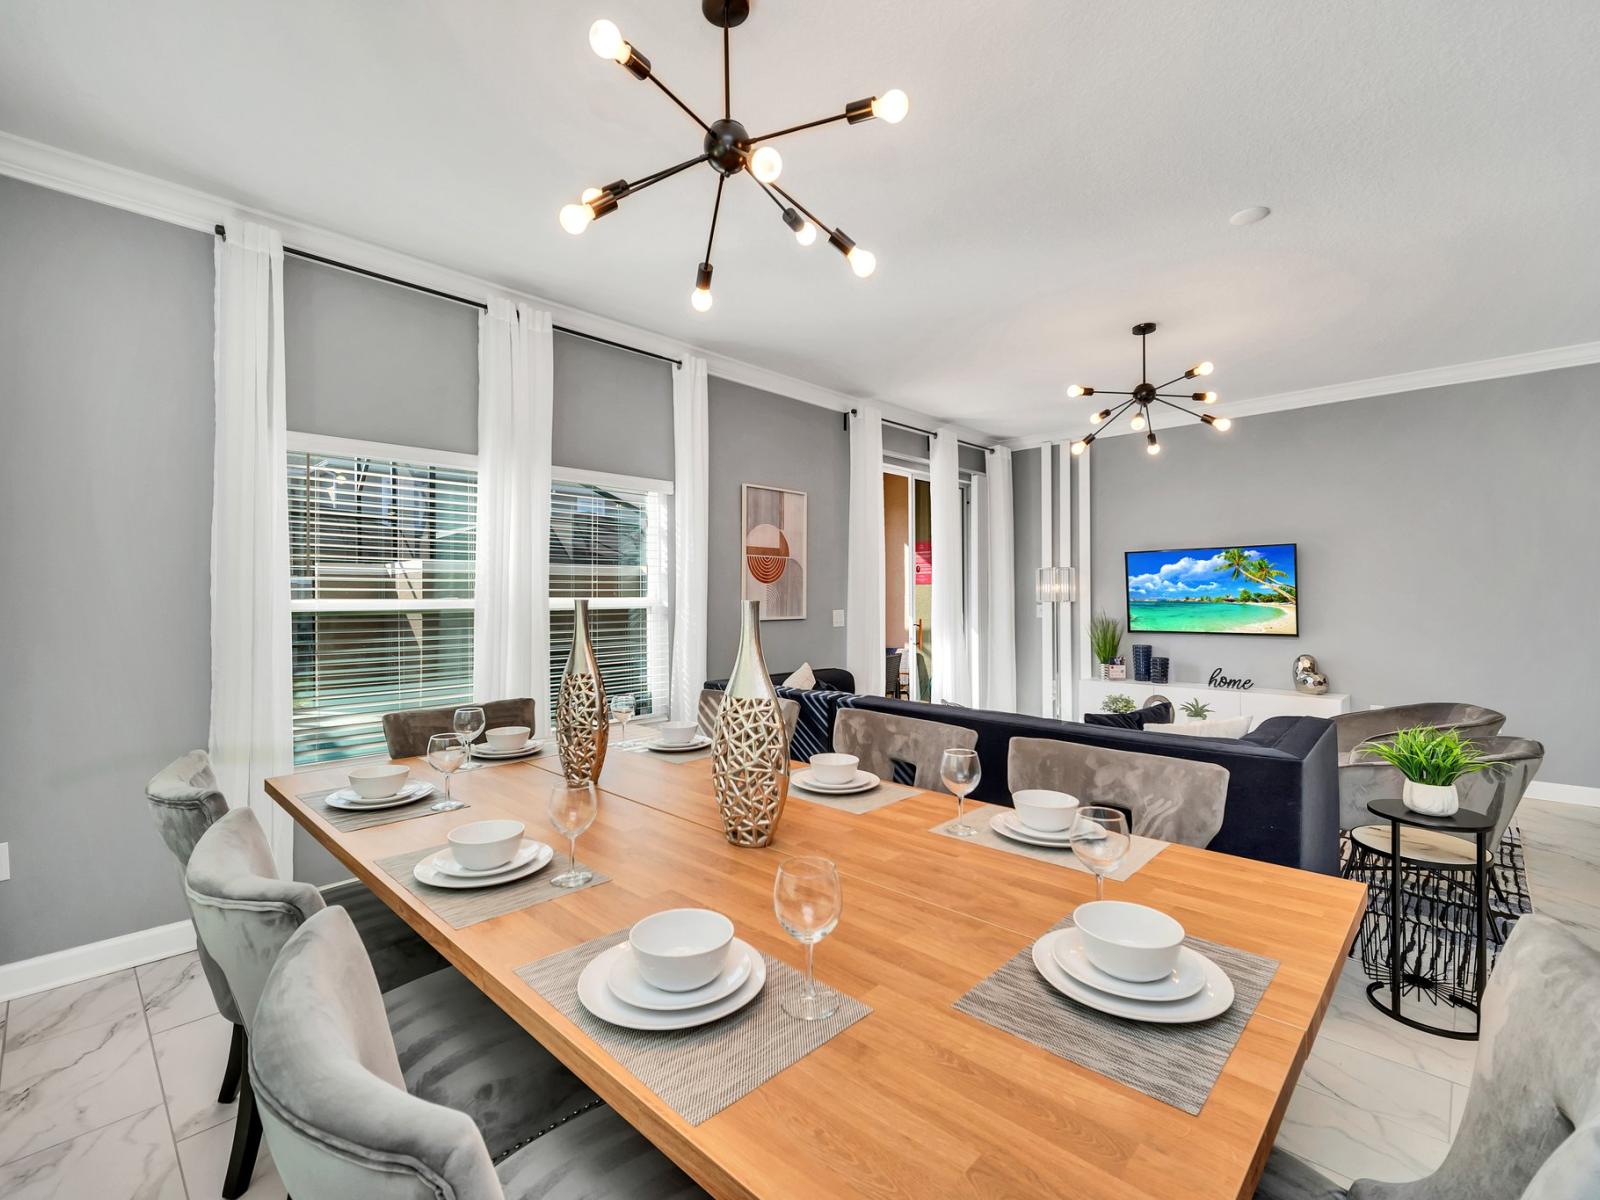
(1257, 702)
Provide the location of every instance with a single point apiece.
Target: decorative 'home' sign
(1219, 680)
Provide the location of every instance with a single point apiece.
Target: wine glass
(959, 771)
(469, 721)
(446, 753)
(622, 710)
(572, 810)
(1101, 840)
(807, 898)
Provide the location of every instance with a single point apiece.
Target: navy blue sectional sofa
(1283, 787)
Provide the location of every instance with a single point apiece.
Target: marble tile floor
(108, 1087)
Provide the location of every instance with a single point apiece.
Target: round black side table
(1479, 825)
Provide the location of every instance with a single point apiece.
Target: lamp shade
(1056, 585)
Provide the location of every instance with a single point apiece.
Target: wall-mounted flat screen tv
(1214, 589)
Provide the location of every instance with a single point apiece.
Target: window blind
(381, 595)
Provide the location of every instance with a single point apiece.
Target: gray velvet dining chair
(185, 801)
(344, 1117)
(1531, 1127)
(455, 1046)
(711, 704)
(887, 741)
(1172, 799)
(1469, 720)
(406, 733)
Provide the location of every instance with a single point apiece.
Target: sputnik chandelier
(729, 149)
(1143, 396)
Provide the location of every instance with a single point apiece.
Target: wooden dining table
(916, 1100)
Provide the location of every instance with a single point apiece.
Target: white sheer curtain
(951, 672)
(864, 631)
(691, 541)
(251, 723)
(511, 628)
(1000, 657)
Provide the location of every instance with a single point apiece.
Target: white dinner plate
(1015, 824)
(1212, 1000)
(1187, 978)
(595, 995)
(445, 863)
(425, 872)
(350, 801)
(529, 748)
(629, 986)
(699, 743)
(864, 781)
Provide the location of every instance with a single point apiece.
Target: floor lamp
(1056, 586)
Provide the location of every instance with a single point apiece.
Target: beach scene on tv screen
(1223, 589)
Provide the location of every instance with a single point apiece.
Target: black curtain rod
(221, 231)
(927, 433)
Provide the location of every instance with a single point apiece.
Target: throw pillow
(1137, 719)
(805, 678)
(1217, 727)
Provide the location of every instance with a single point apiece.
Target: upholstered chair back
(711, 705)
(884, 740)
(1172, 799)
(327, 1082)
(406, 733)
(243, 912)
(185, 802)
(1470, 720)
(1496, 791)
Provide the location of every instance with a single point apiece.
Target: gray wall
(1446, 545)
(757, 437)
(613, 410)
(105, 482)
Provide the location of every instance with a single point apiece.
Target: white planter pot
(1430, 799)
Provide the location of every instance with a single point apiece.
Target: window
(608, 542)
(381, 560)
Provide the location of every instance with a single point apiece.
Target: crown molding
(77, 175)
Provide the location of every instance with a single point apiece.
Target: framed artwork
(774, 532)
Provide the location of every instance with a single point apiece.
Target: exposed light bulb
(1152, 446)
(766, 164)
(862, 262)
(1074, 390)
(1204, 368)
(1222, 424)
(590, 195)
(806, 234)
(1136, 422)
(1100, 416)
(1079, 447)
(701, 299)
(575, 218)
(1206, 397)
(892, 106)
(605, 39)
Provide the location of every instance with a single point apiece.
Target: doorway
(908, 584)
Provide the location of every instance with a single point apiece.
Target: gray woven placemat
(863, 802)
(348, 821)
(460, 907)
(1176, 1064)
(1140, 852)
(698, 1072)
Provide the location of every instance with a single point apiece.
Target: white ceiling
(1067, 169)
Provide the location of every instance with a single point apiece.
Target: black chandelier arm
(716, 208)
(1111, 417)
(771, 195)
(814, 219)
(1186, 412)
(671, 95)
(769, 137)
(1170, 382)
(668, 173)
(727, 70)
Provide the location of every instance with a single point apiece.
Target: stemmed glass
(446, 753)
(807, 898)
(959, 771)
(622, 710)
(1100, 840)
(469, 722)
(572, 810)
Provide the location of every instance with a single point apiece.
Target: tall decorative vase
(582, 723)
(750, 748)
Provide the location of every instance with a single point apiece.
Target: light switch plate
(5, 860)
(838, 618)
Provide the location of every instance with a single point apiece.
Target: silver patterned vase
(750, 748)
(582, 723)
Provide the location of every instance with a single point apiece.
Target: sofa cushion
(1217, 727)
(1158, 713)
(804, 677)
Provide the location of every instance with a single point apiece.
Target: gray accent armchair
(1173, 799)
(345, 1117)
(880, 740)
(406, 733)
(1531, 1129)
(1469, 720)
(1496, 791)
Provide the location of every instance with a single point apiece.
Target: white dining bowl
(1044, 810)
(380, 779)
(682, 948)
(1131, 941)
(485, 845)
(834, 768)
(679, 733)
(507, 738)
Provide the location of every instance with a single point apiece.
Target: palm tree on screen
(1244, 565)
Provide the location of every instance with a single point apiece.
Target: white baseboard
(97, 958)
(1565, 793)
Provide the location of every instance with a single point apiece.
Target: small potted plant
(1105, 639)
(1431, 760)
(1117, 703)
(1197, 709)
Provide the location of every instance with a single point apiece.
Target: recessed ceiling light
(1249, 216)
